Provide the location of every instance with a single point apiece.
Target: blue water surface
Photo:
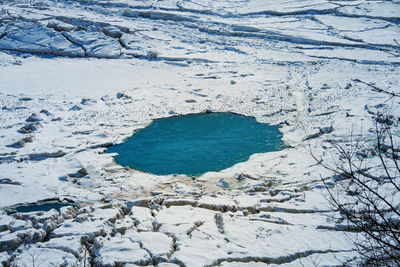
(197, 143)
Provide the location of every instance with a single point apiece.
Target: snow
(74, 78)
(33, 255)
(160, 245)
(70, 228)
(374, 9)
(70, 244)
(5, 221)
(94, 72)
(39, 39)
(121, 250)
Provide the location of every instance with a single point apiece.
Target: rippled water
(197, 143)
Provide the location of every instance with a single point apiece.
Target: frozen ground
(76, 76)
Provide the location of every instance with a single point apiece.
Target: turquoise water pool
(197, 143)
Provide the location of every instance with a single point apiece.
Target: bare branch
(377, 89)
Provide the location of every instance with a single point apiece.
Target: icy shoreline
(304, 65)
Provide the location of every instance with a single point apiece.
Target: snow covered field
(77, 76)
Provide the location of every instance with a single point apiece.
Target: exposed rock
(247, 203)
(111, 31)
(179, 202)
(223, 183)
(87, 132)
(219, 221)
(68, 212)
(87, 182)
(49, 226)
(31, 127)
(18, 225)
(140, 202)
(5, 222)
(184, 189)
(240, 177)
(43, 216)
(122, 95)
(384, 119)
(8, 181)
(57, 119)
(108, 144)
(75, 108)
(324, 130)
(25, 99)
(107, 215)
(274, 192)
(80, 173)
(33, 118)
(45, 155)
(46, 112)
(88, 101)
(11, 241)
(39, 235)
(222, 204)
(152, 54)
(22, 142)
(243, 176)
(124, 224)
(82, 218)
(156, 193)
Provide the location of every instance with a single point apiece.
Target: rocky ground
(78, 76)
